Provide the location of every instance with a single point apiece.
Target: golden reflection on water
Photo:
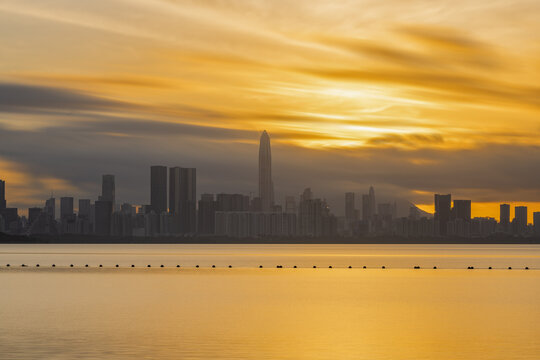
(269, 313)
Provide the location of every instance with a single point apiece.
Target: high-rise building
(536, 223)
(66, 207)
(33, 214)
(232, 202)
(372, 202)
(85, 207)
(462, 210)
(182, 198)
(108, 192)
(103, 217)
(2, 195)
(443, 205)
(350, 208)
(266, 185)
(188, 200)
(290, 205)
(520, 219)
(207, 213)
(158, 188)
(50, 208)
(366, 208)
(504, 216)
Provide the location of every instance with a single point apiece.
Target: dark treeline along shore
(92, 239)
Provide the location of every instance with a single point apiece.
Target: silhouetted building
(182, 199)
(2, 195)
(504, 218)
(443, 205)
(11, 220)
(266, 185)
(232, 202)
(520, 219)
(85, 208)
(33, 214)
(207, 213)
(108, 192)
(536, 223)
(290, 205)
(462, 210)
(158, 188)
(368, 206)
(66, 207)
(350, 211)
(50, 208)
(103, 217)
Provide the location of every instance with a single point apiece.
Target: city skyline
(173, 211)
(181, 192)
(426, 99)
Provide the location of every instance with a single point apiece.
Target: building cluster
(451, 219)
(175, 211)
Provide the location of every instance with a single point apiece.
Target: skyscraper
(505, 217)
(442, 212)
(85, 207)
(505, 214)
(66, 207)
(536, 223)
(108, 189)
(188, 200)
(520, 218)
(158, 188)
(103, 217)
(182, 198)
(372, 202)
(266, 186)
(462, 210)
(2, 194)
(350, 208)
(50, 208)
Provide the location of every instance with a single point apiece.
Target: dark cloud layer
(21, 98)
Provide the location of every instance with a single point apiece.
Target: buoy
(161, 265)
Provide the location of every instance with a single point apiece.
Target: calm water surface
(249, 313)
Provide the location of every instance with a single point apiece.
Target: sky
(413, 97)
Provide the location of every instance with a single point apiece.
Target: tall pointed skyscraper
(266, 186)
